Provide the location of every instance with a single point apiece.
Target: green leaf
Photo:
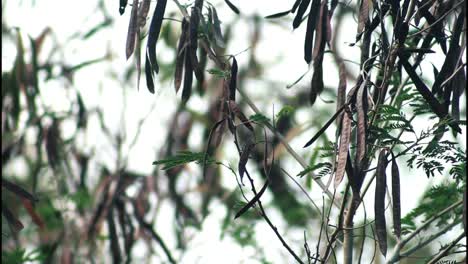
(287, 110)
(259, 119)
(219, 73)
(182, 158)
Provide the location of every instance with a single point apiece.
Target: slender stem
(398, 247)
(445, 251)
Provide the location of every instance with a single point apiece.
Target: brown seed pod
(396, 197)
(379, 205)
(343, 148)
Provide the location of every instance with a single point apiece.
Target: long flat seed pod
(295, 6)
(341, 91)
(278, 15)
(244, 157)
(316, 86)
(218, 34)
(233, 80)
(343, 148)
(320, 32)
(324, 128)
(188, 78)
(208, 150)
(458, 85)
(396, 197)
(138, 57)
(11, 219)
(361, 99)
(143, 12)
(181, 49)
(235, 109)
(309, 36)
(149, 75)
(122, 5)
(154, 30)
(436, 107)
(253, 201)
(232, 7)
(363, 15)
(193, 42)
(36, 218)
(464, 211)
(379, 205)
(300, 13)
(18, 190)
(132, 30)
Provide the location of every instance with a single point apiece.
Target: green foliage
(287, 110)
(181, 158)
(259, 119)
(437, 156)
(323, 168)
(436, 199)
(218, 73)
(19, 255)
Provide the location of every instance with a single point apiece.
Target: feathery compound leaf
(300, 13)
(154, 30)
(343, 148)
(253, 201)
(361, 103)
(232, 7)
(182, 158)
(324, 128)
(233, 80)
(277, 15)
(379, 205)
(396, 197)
(132, 30)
